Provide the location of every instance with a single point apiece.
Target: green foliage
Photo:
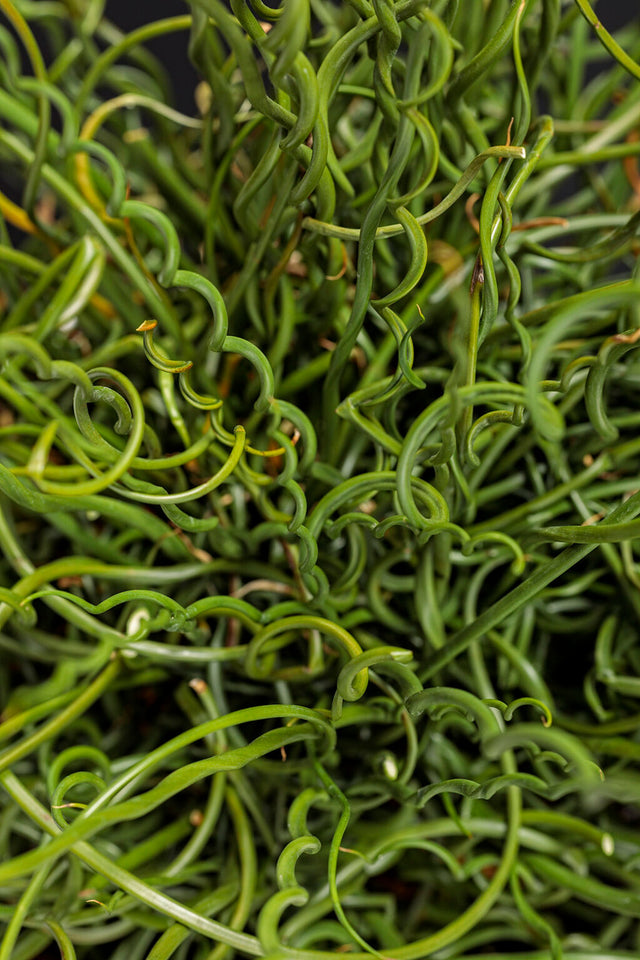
(318, 490)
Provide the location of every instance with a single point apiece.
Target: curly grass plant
(319, 507)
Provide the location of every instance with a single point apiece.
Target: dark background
(172, 49)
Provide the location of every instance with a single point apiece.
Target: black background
(172, 49)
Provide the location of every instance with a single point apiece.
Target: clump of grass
(319, 588)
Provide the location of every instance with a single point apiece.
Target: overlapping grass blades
(319, 498)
